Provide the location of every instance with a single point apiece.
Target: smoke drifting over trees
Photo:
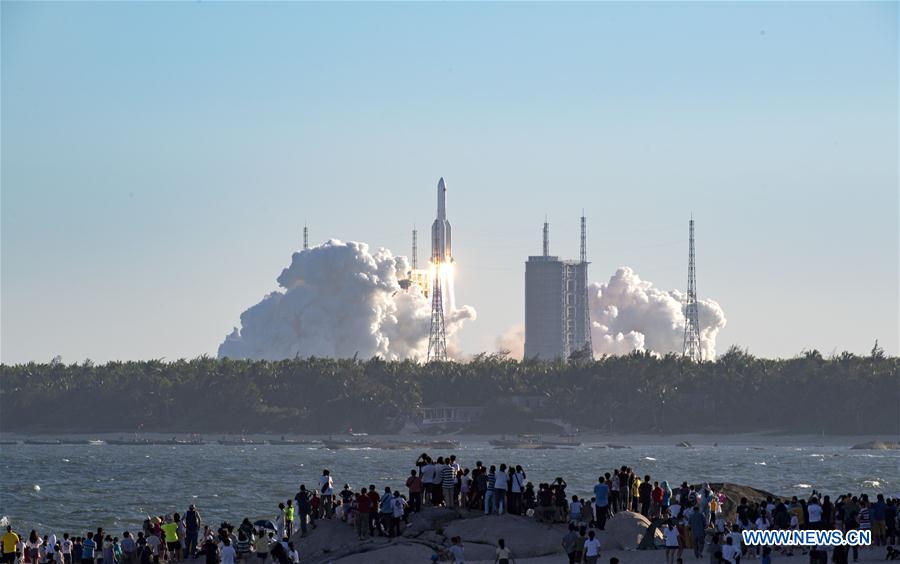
(630, 314)
(340, 300)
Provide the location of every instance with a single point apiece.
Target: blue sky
(160, 159)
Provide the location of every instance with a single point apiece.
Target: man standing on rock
(601, 503)
(645, 494)
(326, 490)
(697, 523)
(591, 548)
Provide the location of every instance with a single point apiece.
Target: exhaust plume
(340, 300)
(628, 314)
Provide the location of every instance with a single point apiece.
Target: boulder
(734, 493)
(625, 529)
(525, 537)
(390, 554)
(876, 445)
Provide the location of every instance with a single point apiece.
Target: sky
(159, 160)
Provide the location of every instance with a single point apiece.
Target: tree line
(639, 392)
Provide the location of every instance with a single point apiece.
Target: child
(457, 553)
(293, 554)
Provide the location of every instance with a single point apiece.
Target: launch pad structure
(441, 254)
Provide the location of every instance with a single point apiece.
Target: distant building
(440, 414)
(557, 321)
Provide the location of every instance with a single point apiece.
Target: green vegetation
(844, 394)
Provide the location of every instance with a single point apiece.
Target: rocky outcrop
(430, 531)
(625, 530)
(876, 445)
(526, 537)
(734, 493)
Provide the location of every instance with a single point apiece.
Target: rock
(390, 554)
(876, 445)
(734, 493)
(432, 519)
(625, 529)
(525, 537)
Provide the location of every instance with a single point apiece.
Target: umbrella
(264, 524)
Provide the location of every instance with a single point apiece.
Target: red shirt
(364, 504)
(374, 498)
(414, 483)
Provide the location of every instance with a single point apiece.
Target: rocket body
(441, 250)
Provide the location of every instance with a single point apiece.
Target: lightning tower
(305, 238)
(415, 249)
(586, 342)
(441, 254)
(691, 314)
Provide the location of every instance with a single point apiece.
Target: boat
(41, 442)
(534, 442)
(240, 442)
(79, 442)
(530, 442)
(354, 442)
(140, 441)
(562, 440)
(442, 444)
(283, 441)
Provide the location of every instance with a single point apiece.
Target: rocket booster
(440, 229)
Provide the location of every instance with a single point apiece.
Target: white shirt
(66, 546)
(730, 553)
(592, 547)
(761, 524)
(436, 477)
(323, 480)
(674, 510)
(671, 537)
(428, 474)
(815, 512)
(502, 478)
(228, 554)
(153, 543)
(294, 556)
(518, 482)
(397, 506)
(459, 556)
(575, 510)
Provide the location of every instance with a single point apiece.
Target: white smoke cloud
(512, 341)
(628, 314)
(339, 300)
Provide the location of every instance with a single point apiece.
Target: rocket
(440, 229)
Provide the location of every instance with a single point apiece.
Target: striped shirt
(448, 477)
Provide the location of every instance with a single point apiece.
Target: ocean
(59, 488)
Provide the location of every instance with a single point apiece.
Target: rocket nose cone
(441, 185)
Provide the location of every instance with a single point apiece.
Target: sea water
(76, 488)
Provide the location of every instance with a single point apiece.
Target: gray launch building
(557, 317)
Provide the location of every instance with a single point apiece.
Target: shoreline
(587, 439)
